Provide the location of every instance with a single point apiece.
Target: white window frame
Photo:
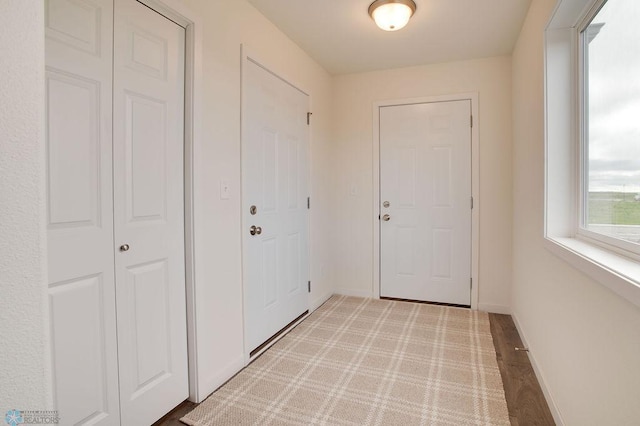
(612, 262)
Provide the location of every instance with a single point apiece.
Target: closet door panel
(149, 212)
(79, 47)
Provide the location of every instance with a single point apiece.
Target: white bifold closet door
(115, 125)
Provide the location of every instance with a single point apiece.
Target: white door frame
(475, 184)
(181, 15)
(247, 54)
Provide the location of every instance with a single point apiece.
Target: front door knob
(124, 247)
(253, 230)
(386, 218)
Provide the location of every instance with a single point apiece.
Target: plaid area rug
(369, 362)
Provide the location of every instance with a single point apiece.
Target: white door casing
(80, 210)
(275, 158)
(425, 175)
(80, 198)
(149, 211)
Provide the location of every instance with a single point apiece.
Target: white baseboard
(495, 309)
(315, 304)
(555, 412)
(207, 387)
(352, 292)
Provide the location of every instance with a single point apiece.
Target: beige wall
(352, 228)
(584, 339)
(227, 24)
(24, 378)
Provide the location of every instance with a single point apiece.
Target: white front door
(275, 152)
(425, 202)
(148, 146)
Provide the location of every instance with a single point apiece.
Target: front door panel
(425, 191)
(275, 149)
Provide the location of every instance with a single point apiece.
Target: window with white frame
(610, 124)
(592, 143)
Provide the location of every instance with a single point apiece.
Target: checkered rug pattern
(358, 361)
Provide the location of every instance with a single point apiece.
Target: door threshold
(277, 336)
(426, 302)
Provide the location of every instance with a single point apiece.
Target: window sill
(618, 273)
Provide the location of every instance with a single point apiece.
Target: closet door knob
(124, 247)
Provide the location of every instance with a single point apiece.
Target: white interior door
(80, 211)
(275, 152)
(425, 196)
(121, 177)
(148, 146)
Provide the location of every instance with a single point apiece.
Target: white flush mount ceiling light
(392, 15)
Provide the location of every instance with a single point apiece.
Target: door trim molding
(175, 11)
(475, 184)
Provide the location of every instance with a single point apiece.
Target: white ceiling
(340, 35)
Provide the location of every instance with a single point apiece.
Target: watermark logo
(25, 417)
(14, 417)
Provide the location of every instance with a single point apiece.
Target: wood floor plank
(525, 400)
(173, 417)
(506, 339)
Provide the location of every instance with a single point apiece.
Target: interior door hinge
(309, 114)
(471, 121)
(471, 283)
(309, 286)
(308, 203)
(471, 203)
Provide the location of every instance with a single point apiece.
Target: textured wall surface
(24, 382)
(584, 338)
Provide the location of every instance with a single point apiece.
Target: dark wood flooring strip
(525, 400)
(173, 417)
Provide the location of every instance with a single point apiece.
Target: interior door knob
(386, 218)
(124, 247)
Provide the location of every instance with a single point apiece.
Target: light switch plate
(225, 190)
